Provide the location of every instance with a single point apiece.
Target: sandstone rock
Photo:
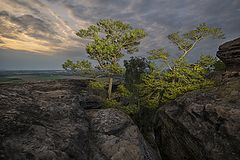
(91, 102)
(45, 121)
(116, 137)
(201, 125)
(229, 53)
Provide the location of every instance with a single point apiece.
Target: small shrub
(111, 103)
(97, 85)
(123, 91)
(131, 109)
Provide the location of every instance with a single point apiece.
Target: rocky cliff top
(46, 121)
(229, 53)
(202, 125)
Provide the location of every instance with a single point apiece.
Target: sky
(40, 34)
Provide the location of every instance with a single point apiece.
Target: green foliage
(206, 60)
(99, 85)
(187, 41)
(68, 65)
(219, 65)
(135, 68)
(131, 109)
(111, 103)
(211, 63)
(147, 84)
(179, 77)
(160, 88)
(110, 40)
(158, 54)
(204, 31)
(83, 65)
(123, 91)
(115, 68)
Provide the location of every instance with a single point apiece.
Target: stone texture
(116, 137)
(46, 121)
(229, 53)
(201, 125)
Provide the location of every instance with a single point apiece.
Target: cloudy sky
(40, 34)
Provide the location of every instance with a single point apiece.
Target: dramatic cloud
(34, 26)
(48, 26)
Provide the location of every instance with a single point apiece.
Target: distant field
(26, 76)
(30, 76)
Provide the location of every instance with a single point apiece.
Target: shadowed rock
(115, 137)
(45, 121)
(201, 125)
(229, 53)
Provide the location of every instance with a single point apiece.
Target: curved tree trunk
(110, 87)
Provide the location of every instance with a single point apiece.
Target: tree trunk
(110, 87)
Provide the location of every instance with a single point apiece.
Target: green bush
(131, 109)
(99, 85)
(123, 91)
(111, 103)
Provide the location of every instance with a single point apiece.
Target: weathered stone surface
(45, 121)
(91, 101)
(201, 125)
(229, 53)
(116, 137)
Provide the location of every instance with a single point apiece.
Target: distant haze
(40, 34)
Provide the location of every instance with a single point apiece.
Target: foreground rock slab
(45, 121)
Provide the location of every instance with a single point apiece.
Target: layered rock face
(45, 121)
(201, 125)
(229, 53)
(204, 124)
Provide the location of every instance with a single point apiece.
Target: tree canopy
(83, 65)
(109, 41)
(177, 76)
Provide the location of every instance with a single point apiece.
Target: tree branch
(187, 51)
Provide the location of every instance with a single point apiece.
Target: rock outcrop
(201, 125)
(229, 53)
(204, 124)
(114, 136)
(46, 121)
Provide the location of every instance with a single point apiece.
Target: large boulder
(229, 53)
(46, 121)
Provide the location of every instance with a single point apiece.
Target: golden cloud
(47, 32)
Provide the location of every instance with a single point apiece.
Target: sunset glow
(48, 27)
